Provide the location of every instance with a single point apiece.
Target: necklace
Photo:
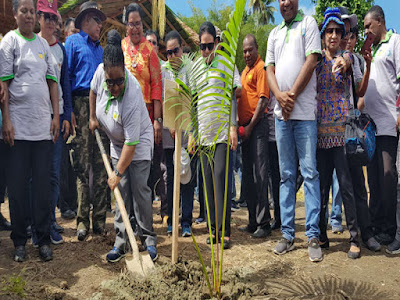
(134, 56)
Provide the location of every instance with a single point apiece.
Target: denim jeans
(297, 141)
(55, 172)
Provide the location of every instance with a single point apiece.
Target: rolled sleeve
(155, 77)
(270, 55)
(7, 60)
(312, 37)
(131, 124)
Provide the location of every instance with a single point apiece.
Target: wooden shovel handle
(120, 201)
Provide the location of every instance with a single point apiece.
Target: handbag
(359, 134)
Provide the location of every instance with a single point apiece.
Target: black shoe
(275, 225)
(68, 214)
(324, 245)
(82, 234)
(243, 204)
(262, 233)
(29, 231)
(58, 228)
(45, 253)
(227, 244)
(19, 254)
(4, 224)
(208, 240)
(248, 229)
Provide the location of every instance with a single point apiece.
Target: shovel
(139, 264)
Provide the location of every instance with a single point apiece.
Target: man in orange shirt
(252, 111)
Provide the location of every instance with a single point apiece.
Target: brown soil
(251, 271)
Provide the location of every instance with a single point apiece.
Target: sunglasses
(173, 51)
(338, 31)
(153, 42)
(97, 20)
(136, 25)
(112, 82)
(208, 46)
(50, 18)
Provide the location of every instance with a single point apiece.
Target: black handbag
(360, 134)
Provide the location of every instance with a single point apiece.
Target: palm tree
(263, 11)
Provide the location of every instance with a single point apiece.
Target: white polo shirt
(384, 85)
(28, 64)
(209, 116)
(125, 119)
(288, 47)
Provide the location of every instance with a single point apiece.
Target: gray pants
(135, 191)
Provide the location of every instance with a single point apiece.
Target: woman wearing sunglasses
(116, 102)
(142, 61)
(48, 20)
(213, 128)
(333, 96)
(29, 129)
(172, 69)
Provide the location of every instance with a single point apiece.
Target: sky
(390, 7)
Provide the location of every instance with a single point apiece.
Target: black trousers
(327, 161)
(25, 160)
(255, 175)
(215, 170)
(382, 181)
(274, 178)
(156, 175)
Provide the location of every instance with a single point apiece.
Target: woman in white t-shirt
(28, 126)
(116, 102)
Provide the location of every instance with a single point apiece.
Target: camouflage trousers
(86, 157)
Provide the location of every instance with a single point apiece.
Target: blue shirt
(84, 56)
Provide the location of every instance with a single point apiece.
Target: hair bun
(113, 38)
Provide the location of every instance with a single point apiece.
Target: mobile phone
(368, 42)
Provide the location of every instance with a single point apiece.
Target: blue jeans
(55, 172)
(336, 211)
(297, 142)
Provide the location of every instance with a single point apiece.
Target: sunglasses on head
(112, 82)
(97, 20)
(50, 18)
(338, 31)
(208, 46)
(173, 51)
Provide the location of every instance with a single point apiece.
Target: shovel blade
(139, 267)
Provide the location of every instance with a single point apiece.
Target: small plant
(190, 86)
(14, 285)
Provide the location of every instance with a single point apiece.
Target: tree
(358, 7)
(263, 10)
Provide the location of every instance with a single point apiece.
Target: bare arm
(363, 86)
(123, 163)
(305, 74)
(7, 127)
(261, 106)
(55, 123)
(93, 122)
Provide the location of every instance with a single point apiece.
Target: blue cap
(332, 15)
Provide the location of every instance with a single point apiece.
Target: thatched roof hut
(113, 9)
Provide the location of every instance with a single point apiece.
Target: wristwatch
(117, 173)
(159, 120)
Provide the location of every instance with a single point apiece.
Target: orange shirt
(254, 86)
(142, 61)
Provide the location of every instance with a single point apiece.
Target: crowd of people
(287, 126)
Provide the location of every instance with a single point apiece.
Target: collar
(385, 40)
(112, 98)
(88, 38)
(299, 17)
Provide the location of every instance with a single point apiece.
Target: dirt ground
(79, 269)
